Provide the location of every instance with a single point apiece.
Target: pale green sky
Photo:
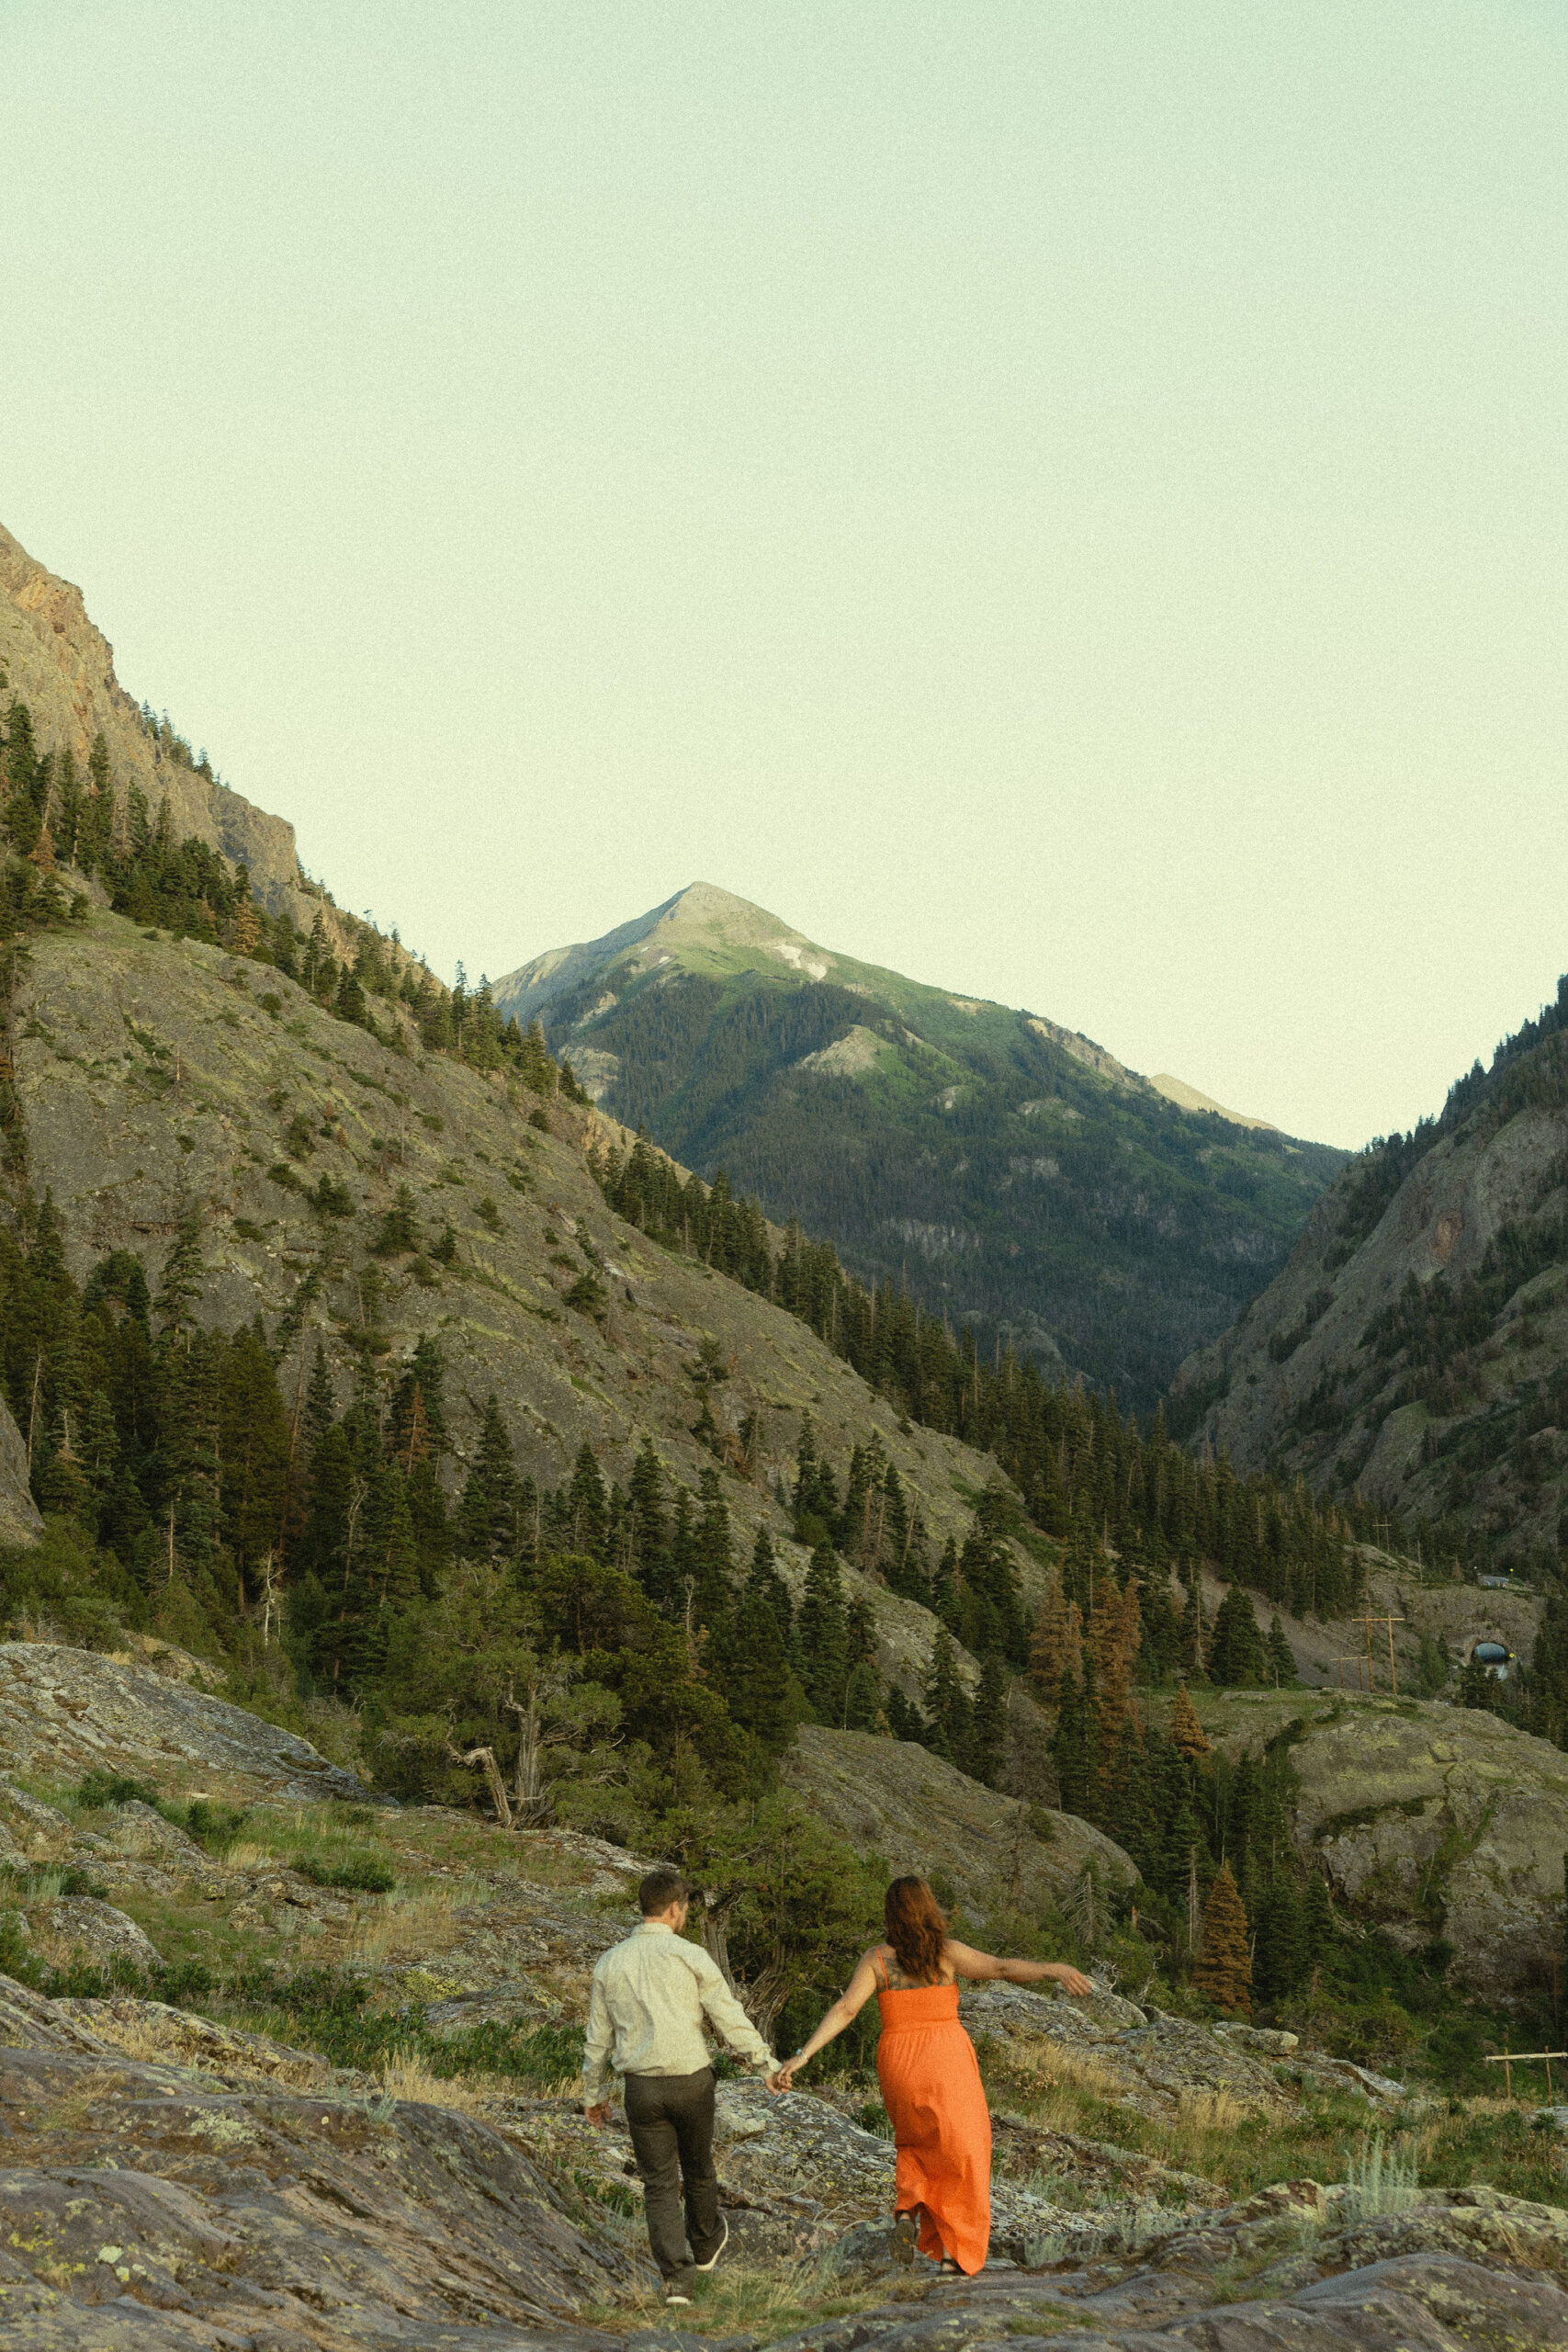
(1065, 501)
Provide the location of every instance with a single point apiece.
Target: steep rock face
(63, 668)
(1434, 1823)
(892, 1799)
(1416, 1343)
(19, 1520)
(1001, 1167)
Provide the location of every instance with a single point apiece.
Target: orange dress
(941, 2126)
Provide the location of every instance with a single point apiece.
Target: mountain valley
(424, 1499)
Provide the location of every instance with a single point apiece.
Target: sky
(1064, 500)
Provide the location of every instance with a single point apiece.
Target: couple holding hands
(651, 1996)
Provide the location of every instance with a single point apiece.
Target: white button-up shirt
(651, 1996)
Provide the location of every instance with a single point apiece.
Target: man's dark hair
(659, 1890)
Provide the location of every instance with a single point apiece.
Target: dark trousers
(671, 2118)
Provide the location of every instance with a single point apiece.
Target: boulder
(897, 1800)
(65, 1712)
(93, 1930)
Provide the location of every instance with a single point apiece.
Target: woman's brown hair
(916, 1929)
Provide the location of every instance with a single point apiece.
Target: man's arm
(597, 2042)
(724, 2014)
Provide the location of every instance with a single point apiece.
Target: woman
(929, 2077)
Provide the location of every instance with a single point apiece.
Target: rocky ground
(196, 2172)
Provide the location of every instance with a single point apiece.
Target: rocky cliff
(1437, 1824)
(63, 668)
(1417, 1343)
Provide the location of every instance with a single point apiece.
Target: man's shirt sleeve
(726, 2016)
(597, 2042)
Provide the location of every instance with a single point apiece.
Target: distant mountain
(1416, 1344)
(1013, 1173)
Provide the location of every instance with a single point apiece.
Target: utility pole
(1391, 1622)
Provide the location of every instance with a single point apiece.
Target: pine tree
(863, 1703)
(1187, 1732)
(489, 1522)
(399, 1231)
(648, 1527)
(715, 1558)
(588, 1506)
(1114, 1628)
(947, 1703)
(987, 1734)
(1237, 1655)
(182, 1281)
(1281, 1956)
(824, 1637)
(1319, 1933)
(1281, 1658)
(1223, 1966)
(1049, 1653)
(320, 1401)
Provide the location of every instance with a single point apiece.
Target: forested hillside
(1012, 1176)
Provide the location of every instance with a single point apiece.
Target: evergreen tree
(1318, 1931)
(987, 1734)
(588, 1506)
(320, 1402)
(1186, 1731)
(948, 1716)
(649, 1526)
(824, 1637)
(488, 1522)
(182, 1282)
(1223, 1966)
(1281, 1957)
(714, 1560)
(759, 1691)
(863, 1703)
(1281, 1665)
(1237, 1655)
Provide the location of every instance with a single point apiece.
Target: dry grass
(736, 2300)
(249, 1859)
(406, 2075)
(153, 2040)
(415, 1926)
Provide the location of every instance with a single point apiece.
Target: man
(650, 1996)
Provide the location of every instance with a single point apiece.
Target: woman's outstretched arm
(848, 2007)
(984, 1967)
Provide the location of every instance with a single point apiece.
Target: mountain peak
(702, 928)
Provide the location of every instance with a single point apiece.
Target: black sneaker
(718, 2249)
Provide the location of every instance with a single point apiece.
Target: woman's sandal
(906, 2231)
(950, 2270)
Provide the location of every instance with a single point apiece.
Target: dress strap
(879, 1967)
